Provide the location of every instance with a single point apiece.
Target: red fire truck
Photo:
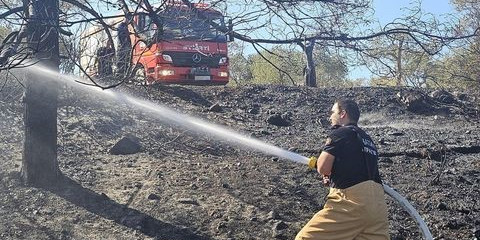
(184, 49)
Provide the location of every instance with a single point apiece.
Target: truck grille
(194, 59)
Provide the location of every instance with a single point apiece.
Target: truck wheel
(139, 77)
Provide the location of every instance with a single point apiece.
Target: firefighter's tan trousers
(358, 212)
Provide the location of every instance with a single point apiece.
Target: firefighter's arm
(325, 163)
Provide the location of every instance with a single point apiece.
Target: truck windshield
(182, 24)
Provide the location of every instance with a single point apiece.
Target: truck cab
(184, 49)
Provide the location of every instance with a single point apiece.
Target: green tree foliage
(471, 13)
(281, 63)
(4, 28)
(3, 32)
(460, 69)
(383, 82)
(399, 61)
(240, 71)
(331, 70)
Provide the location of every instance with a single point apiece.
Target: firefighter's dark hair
(351, 107)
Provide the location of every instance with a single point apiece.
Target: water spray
(196, 124)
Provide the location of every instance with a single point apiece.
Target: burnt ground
(188, 185)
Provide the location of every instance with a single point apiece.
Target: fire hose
(312, 162)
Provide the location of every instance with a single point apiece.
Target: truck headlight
(166, 72)
(222, 74)
(167, 58)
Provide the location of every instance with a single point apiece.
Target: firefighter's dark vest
(356, 157)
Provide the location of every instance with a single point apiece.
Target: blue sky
(387, 10)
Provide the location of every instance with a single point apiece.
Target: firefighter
(355, 207)
(124, 46)
(105, 56)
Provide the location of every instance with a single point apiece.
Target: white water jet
(167, 114)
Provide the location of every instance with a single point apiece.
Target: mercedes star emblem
(196, 58)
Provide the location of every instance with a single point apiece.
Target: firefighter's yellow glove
(312, 163)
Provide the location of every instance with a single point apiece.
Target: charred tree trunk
(310, 75)
(40, 167)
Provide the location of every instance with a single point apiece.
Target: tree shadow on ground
(103, 206)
